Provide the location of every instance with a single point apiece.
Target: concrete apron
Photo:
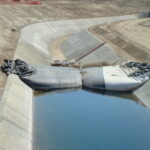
(16, 102)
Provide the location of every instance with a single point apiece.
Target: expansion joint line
(89, 52)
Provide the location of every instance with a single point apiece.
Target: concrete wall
(16, 118)
(80, 44)
(104, 53)
(16, 102)
(143, 94)
(41, 36)
(86, 48)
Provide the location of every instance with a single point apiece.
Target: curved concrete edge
(41, 35)
(16, 102)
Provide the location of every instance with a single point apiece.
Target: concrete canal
(88, 121)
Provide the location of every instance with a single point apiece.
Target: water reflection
(86, 121)
(54, 91)
(123, 95)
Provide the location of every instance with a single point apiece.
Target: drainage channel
(81, 120)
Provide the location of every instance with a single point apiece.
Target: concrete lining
(16, 118)
(80, 44)
(42, 35)
(143, 94)
(104, 53)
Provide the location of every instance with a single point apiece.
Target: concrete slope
(143, 94)
(102, 54)
(80, 44)
(41, 35)
(16, 116)
(86, 48)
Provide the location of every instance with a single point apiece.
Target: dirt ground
(130, 38)
(138, 31)
(14, 17)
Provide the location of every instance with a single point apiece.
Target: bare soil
(130, 38)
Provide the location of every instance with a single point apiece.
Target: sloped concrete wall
(102, 54)
(143, 93)
(86, 48)
(40, 36)
(80, 44)
(16, 118)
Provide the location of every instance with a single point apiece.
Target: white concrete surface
(41, 35)
(16, 116)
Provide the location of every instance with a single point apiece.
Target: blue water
(87, 121)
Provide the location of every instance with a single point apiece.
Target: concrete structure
(16, 118)
(34, 47)
(143, 94)
(104, 53)
(80, 44)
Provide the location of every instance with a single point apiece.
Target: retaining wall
(143, 94)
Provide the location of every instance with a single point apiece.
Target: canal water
(87, 121)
